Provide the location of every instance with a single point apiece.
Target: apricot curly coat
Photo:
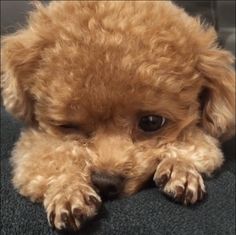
(98, 67)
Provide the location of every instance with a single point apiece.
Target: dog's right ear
(218, 103)
(20, 54)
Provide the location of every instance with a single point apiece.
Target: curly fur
(100, 66)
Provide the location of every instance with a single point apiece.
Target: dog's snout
(108, 185)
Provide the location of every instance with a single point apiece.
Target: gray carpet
(148, 212)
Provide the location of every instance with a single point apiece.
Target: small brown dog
(114, 93)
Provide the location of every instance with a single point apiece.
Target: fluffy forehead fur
(102, 65)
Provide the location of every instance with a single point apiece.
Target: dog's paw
(180, 180)
(68, 208)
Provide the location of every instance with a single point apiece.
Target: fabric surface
(148, 212)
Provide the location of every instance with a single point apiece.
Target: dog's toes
(180, 181)
(162, 176)
(179, 194)
(92, 201)
(201, 193)
(162, 180)
(78, 215)
(69, 213)
(51, 219)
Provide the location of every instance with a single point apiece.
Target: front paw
(68, 208)
(180, 180)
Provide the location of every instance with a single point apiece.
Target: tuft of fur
(98, 67)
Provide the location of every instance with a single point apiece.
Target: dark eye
(151, 123)
(69, 127)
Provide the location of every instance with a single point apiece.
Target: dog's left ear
(19, 56)
(218, 94)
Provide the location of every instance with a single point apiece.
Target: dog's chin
(133, 186)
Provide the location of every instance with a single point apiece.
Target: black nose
(108, 185)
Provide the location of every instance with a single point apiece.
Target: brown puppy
(114, 93)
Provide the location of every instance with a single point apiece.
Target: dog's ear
(218, 95)
(19, 56)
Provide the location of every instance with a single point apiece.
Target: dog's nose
(108, 185)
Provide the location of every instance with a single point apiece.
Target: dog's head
(123, 79)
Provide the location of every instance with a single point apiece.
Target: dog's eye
(151, 123)
(69, 127)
